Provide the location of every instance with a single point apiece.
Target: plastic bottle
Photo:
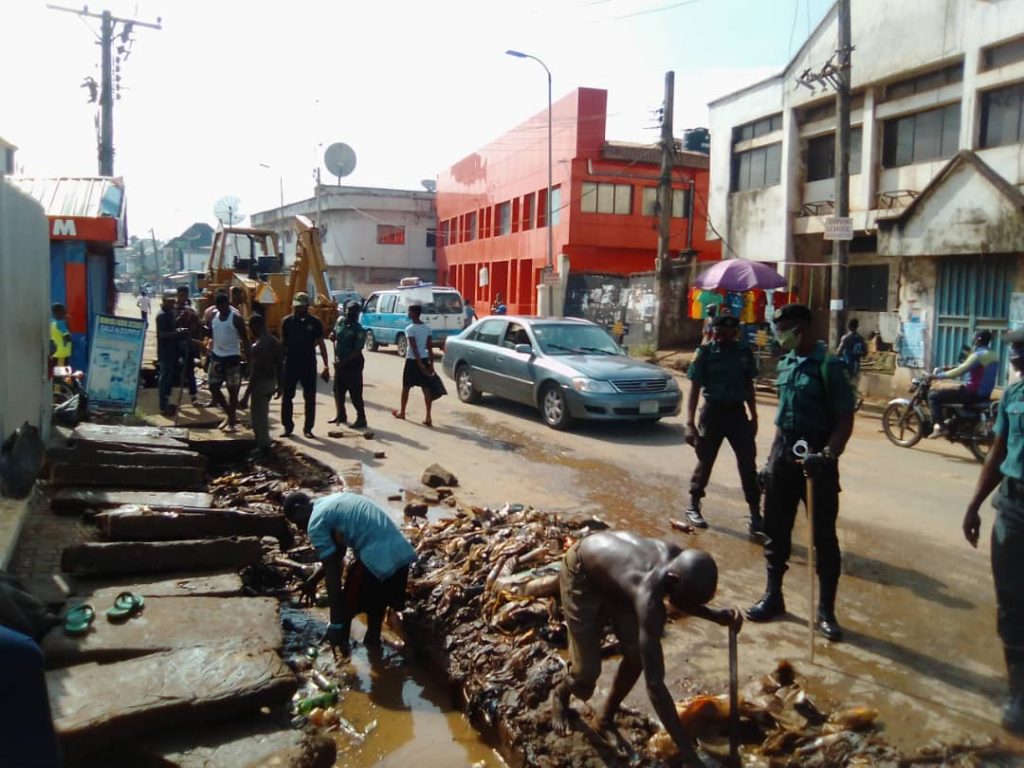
(325, 699)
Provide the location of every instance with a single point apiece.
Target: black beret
(727, 321)
(799, 312)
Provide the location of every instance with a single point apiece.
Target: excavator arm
(310, 263)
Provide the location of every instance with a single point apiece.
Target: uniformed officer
(1004, 467)
(724, 370)
(816, 404)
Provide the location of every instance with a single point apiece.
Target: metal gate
(973, 294)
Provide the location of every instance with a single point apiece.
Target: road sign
(838, 228)
(548, 277)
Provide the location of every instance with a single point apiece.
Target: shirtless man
(625, 578)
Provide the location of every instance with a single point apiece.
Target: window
(757, 168)
(515, 334)
(487, 331)
(929, 81)
(388, 234)
(504, 218)
(542, 208)
(387, 303)
(556, 205)
(606, 198)
(1001, 55)
(821, 155)
(470, 226)
(528, 211)
(761, 127)
(431, 238)
(921, 137)
(1001, 116)
(680, 202)
(867, 288)
(371, 303)
(819, 112)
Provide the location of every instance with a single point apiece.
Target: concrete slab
(241, 745)
(140, 524)
(152, 435)
(211, 585)
(222, 446)
(128, 476)
(97, 706)
(75, 501)
(167, 624)
(193, 555)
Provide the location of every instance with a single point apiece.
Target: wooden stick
(734, 701)
(811, 609)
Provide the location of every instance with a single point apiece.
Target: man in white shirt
(419, 363)
(230, 343)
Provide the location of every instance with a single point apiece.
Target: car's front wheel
(371, 342)
(554, 408)
(464, 384)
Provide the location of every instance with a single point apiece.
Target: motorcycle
(906, 421)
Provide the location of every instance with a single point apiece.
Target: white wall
(25, 389)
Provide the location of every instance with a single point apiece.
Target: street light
(551, 233)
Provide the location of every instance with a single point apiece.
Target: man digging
(625, 578)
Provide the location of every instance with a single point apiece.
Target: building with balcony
(936, 166)
(492, 210)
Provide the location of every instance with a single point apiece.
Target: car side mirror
(524, 349)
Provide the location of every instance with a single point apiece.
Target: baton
(800, 450)
(734, 701)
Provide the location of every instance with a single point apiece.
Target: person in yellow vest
(60, 336)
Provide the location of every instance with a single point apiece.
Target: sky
(242, 98)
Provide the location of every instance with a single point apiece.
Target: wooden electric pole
(661, 266)
(107, 84)
(841, 248)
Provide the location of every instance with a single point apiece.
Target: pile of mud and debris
(484, 589)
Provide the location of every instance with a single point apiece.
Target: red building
(492, 205)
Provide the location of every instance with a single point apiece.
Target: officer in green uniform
(1004, 467)
(724, 370)
(816, 404)
(349, 338)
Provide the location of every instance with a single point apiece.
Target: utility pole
(108, 23)
(661, 265)
(835, 73)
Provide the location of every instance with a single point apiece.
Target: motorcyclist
(981, 368)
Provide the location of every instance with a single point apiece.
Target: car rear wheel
(371, 342)
(553, 407)
(464, 384)
(401, 345)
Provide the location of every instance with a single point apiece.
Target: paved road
(916, 602)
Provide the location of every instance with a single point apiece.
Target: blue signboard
(115, 358)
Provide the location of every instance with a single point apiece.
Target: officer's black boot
(771, 605)
(1013, 711)
(827, 624)
(755, 523)
(693, 513)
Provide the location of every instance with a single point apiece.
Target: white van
(385, 313)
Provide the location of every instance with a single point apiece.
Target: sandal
(78, 619)
(126, 605)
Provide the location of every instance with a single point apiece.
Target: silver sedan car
(568, 368)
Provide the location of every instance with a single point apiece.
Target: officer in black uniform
(816, 404)
(1004, 467)
(724, 370)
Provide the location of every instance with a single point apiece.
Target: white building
(936, 168)
(372, 237)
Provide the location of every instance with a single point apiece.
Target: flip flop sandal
(78, 619)
(126, 605)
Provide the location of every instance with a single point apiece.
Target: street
(916, 602)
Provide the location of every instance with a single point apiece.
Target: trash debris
(435, 476)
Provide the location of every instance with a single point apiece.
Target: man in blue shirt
(981, 368)
(376, 579)
(1004, 468)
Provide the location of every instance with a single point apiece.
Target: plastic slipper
(126, 605)
(78, 619)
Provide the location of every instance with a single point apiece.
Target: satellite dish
(228, 211)
(429, 184)
(340, 160)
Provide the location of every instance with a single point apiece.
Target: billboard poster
(114, 362)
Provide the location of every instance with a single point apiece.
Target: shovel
(800, 450)
(734, 701)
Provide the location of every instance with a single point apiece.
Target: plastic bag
(21, 461)
(71, 411)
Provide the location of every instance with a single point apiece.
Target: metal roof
(93, 197)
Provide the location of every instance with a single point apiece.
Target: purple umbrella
(740, 275)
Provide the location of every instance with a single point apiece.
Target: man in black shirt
(301, 334)
(168, 349)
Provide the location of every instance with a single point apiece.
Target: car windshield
(574, 339)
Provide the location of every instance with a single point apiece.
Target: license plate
(648, 407)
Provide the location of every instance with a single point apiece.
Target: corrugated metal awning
(90, 197)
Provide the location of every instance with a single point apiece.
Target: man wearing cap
(168, 345)
(724, 370)
(349, 338)
(1004, 468)
(980, 367)
(816, 404)
(230, 343)
(376, 579)
(301, 334)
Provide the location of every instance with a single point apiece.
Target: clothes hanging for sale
(709, 299)
(753, 307)
(693, 306)
(734, 301)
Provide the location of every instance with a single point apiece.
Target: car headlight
(671, 385)
(581, 384)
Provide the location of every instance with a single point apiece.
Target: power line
(651, 10)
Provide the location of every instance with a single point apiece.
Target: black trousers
(720, 422)
(1008, 563)
(292, 380)
(348, 379)
(938, 398)
(785, 488)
